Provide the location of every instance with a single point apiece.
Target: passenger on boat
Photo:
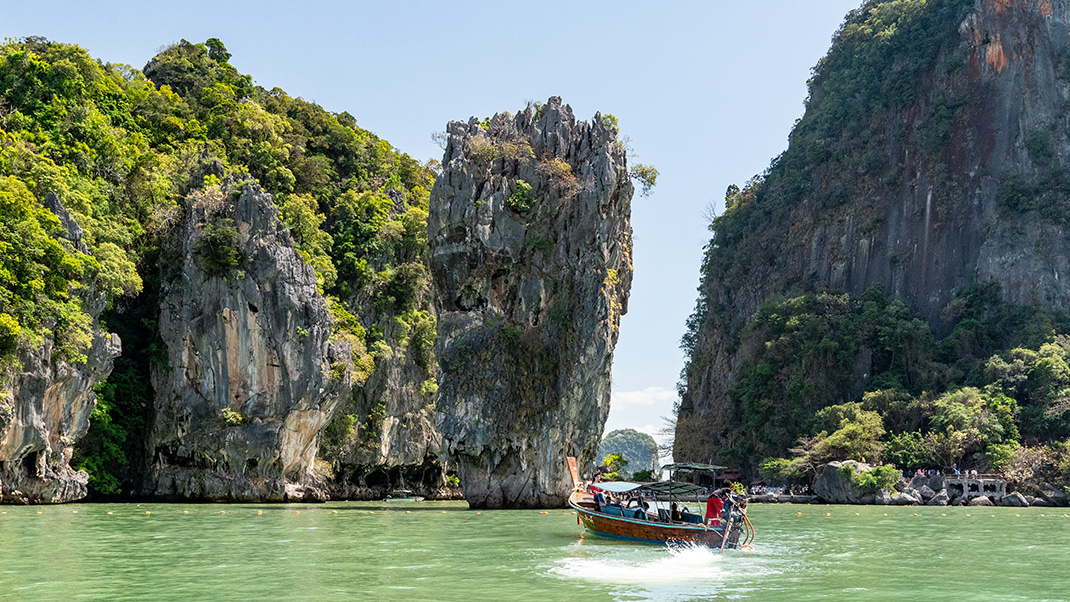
(674, 512)
(714, 509)
(637, 513)
(599, 501)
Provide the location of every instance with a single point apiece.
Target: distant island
(639, 450)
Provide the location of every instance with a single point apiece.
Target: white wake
(646, 566)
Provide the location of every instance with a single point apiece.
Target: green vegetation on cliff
(121, 149)
(844, 150)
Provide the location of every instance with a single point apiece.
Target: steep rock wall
(252, 377)
(956, 184)
(530, 246)
(46, 405)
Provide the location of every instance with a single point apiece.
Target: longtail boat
(725, 525)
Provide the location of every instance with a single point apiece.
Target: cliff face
(394, 444)
(941, 166)
(530, 248)
(251, 378)
(46, 405)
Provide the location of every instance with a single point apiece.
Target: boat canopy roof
(674, 488)
(691, 466)
(616, 486)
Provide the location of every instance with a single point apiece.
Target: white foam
(676, 565)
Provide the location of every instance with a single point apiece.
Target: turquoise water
(443, 551)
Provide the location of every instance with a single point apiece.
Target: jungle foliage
(122, 148)
(996, 385)
(612, 468)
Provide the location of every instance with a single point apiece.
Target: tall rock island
(263, 260)
(252, 377)
(530, 249)
(932, 166)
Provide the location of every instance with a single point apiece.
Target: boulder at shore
(835, 483)
(1015, 500)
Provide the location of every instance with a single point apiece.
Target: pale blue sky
(707, 91)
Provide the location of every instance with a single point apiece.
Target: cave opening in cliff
(29, 464)
(377, 478)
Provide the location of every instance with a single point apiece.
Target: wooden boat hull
(649, 531)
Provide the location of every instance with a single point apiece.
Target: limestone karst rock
(940, 499)
(46, 405)
(947, 175)
(530, 246)
(252, 377)
(926, 493)
(907, 498)
(385, 439)
(1015, 500)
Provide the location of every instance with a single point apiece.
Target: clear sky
(707, 90)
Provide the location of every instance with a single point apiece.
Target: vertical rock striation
(46, 405)
(385, 439)
(530, 246)
(251, 376)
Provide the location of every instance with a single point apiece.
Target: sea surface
(444, 551)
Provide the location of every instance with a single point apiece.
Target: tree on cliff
(612, 468)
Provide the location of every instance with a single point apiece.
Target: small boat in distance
(725, 525)
(402, 495)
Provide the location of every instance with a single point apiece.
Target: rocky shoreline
(835, 483)
(905, 498)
